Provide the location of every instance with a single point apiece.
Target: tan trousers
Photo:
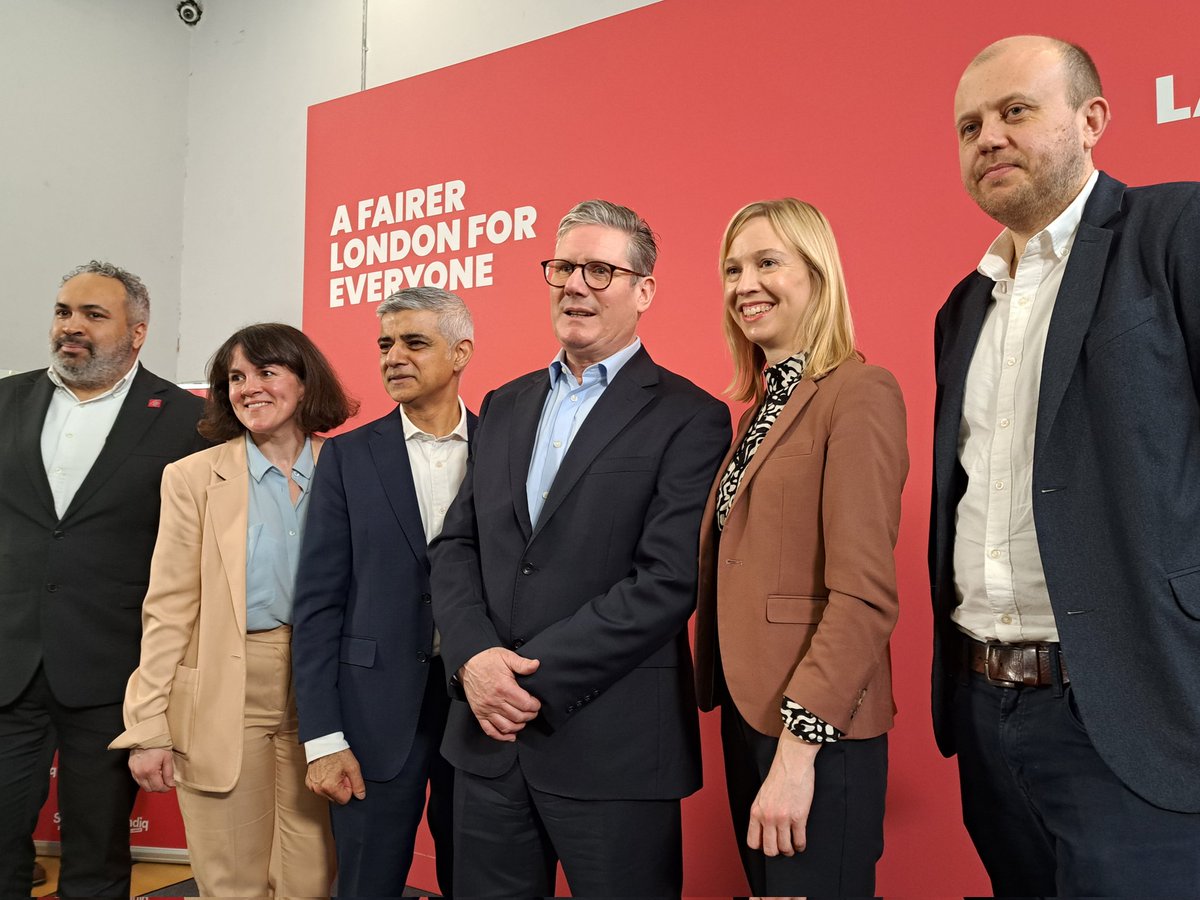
(270, 835)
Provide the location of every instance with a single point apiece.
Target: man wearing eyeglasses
(562, 583)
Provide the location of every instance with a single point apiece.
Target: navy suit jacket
(363, 622)
(599, 591)
(71, 589)
(1116, 482)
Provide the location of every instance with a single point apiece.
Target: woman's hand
(779, 814)
(153, 770)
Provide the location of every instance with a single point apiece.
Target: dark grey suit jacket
(600, 591)
(363, 620)
(71, 590)
(1116, 481)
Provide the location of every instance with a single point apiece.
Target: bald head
(1079, 71)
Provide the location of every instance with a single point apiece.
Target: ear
(1096, 116)
(139, 335)
(645, 294)
(462, 353)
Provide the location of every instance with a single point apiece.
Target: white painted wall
(93, 119)
(179, 153)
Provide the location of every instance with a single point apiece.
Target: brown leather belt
(1028, 664)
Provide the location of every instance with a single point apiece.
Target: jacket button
(527, 569)
(571, 708)
(52, 588)
(421, 657)
(517, 644)
(59, 535)
(426, 598)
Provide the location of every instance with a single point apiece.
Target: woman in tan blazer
(797, 588)
(210, 708)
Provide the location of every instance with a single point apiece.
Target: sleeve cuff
(325, 745)
(804, 725)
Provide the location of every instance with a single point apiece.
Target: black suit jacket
(599, 591)
(363, 622)
(71, 590)
(1116, 481)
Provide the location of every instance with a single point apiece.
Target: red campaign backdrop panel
(686, 111)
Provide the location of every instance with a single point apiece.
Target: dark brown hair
(325, 405)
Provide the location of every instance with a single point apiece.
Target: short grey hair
(454, 319)
(137, 297)
(643, 247)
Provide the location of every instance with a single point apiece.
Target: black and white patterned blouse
(782, 379)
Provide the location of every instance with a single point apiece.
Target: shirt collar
(1053, 240)
(412, 431)
(259, 465)
(607, 368)
(783, 375)
(115, 391)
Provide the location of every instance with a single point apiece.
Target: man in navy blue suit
(370, 685)
(1064, 557)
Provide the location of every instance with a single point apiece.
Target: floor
(147, 877)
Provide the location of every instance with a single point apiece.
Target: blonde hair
(827, 328)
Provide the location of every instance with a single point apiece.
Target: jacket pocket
(181, 707)
(1186, 588)
(357, 651)
(792, 610)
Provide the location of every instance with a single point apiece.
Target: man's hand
(501, 706)
(336, 777)
(779, 814)
(153, 770)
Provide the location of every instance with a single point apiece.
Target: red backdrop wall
(686, 110)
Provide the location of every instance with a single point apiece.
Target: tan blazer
(800, 586)
(189, 690)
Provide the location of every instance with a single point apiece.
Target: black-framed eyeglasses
(596, 275)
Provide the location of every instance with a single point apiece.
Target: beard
(96, 369)
(1034, 203)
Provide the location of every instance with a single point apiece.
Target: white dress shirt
(74, 432)
(998, 574)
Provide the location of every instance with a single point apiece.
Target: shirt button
(1006, 619)
(999, 485)
(439, 464)
(1011, 361)
(1004, 423)
(291, 533)
(545, 494)
(70, 435)
(557, 444)
(574, 398)
(994, 554)
(1024, 301)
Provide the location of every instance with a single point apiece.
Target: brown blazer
(800, 586)
(189, 690)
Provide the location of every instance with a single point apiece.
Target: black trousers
(509, 837)
(375, 836)
(1047, 815)
(845, 824)
(95, 793)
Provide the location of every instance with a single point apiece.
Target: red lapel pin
(154, 403)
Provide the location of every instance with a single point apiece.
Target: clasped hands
(500, 704)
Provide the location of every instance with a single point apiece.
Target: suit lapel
(623, 399)
(389, 452)
(527, 411)
(802, 395)
(229, 514)
(29, 437)
(1075, 306)
(971, 308)
(138, 413)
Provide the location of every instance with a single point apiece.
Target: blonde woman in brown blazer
(210, 709)
(797, 588)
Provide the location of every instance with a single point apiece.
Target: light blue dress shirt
(274, 531)
(567, 405)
